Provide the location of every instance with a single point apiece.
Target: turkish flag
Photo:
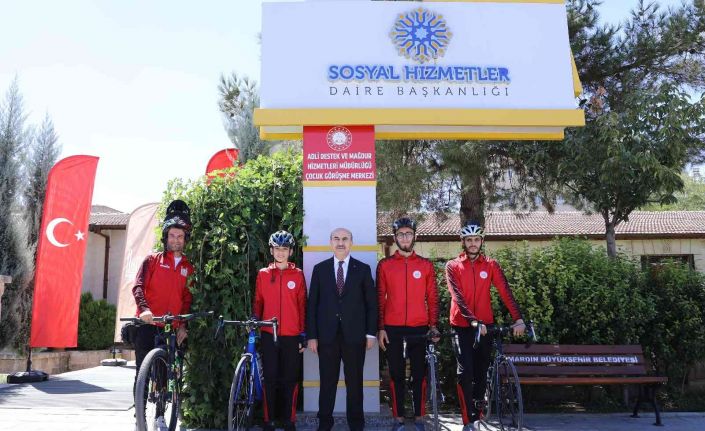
(60, 253)
(223, 159)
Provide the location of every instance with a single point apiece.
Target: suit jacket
(355, 310)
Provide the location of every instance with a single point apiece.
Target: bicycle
(248, 380)
(503, 388)
(431, 361)
(159, 376)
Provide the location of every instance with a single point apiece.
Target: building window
(655, 260)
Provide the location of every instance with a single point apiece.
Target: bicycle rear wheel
(433, 388)
(158, 406)
(510, 406)
(241, 404)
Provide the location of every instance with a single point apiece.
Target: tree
(464, 176)
(44, 153)
(691, 198)
(15, 261)
(622, 160)
(617, 65)
(641, 128)
(239, 98)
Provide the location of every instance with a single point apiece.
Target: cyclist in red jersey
(162, 286)
(469, 278)
(408, 305)
(281, 293)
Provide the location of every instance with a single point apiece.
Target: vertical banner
(60, 253)
(223, 159)
(340, 191)
(139, 242)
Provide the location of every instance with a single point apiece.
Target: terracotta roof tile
(543, 224)
(107, 217)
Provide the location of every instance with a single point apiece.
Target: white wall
(94, 263)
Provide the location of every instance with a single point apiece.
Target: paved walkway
(101, 399)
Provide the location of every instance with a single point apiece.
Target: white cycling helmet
(472, 228)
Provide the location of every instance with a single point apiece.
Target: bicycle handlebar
(501, 331)
(250, 324)
(427, 336)
(168, 318)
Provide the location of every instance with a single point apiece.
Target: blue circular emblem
(421, 35)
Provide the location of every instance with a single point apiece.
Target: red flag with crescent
(223, 159)
(60, 253)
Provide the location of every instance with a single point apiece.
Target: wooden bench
(552, 364)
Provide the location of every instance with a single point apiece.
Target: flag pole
(29, 375)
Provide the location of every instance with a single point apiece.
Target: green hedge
(675, 336)
(232, 220)
(96, 323)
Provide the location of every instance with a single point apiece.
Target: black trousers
(329, 356)
(472, 371)
(281, 365)
(416, 352)
(144, 342)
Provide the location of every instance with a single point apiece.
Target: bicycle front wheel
(510, 406)
(156, 398)
(241, 404)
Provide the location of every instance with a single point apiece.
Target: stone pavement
(101, 399)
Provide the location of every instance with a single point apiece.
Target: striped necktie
(339, 279)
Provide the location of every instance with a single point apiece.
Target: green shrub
(674, 337)
(576, 294)
(232, 220)
(96, 323)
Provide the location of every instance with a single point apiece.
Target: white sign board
(349, 54)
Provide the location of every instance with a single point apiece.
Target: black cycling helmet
(178, 208)
(403, 222)
(472, 228)
(400, 223)
(178, 215)
(281, 238)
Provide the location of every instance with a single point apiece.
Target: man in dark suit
(341, 322)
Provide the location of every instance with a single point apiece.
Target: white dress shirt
(336, 263)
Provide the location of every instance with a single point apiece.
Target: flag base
(32, 376)
(115, 362)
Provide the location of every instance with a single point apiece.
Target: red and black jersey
(161, 286)
(469, 285)
(281, 293)
(407, 292)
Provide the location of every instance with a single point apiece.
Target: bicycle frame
(167, 341)
(256, 372)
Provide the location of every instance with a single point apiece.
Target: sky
(135, 82)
